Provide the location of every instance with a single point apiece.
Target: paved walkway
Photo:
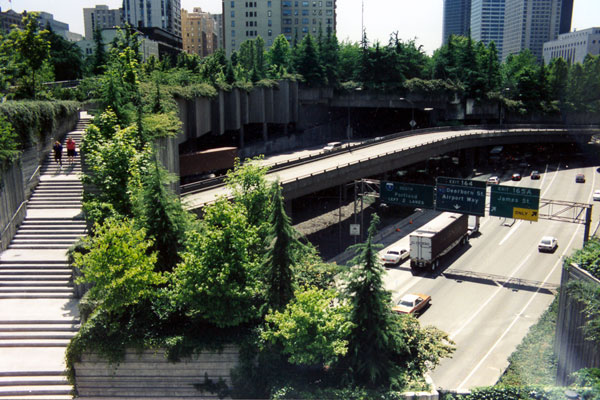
(38, 314)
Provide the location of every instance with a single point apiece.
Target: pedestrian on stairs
(70, 150)
(57, 152)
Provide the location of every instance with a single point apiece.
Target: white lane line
(455, 333)
(518, 316)
(510, 232)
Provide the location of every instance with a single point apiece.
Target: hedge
(34, 120)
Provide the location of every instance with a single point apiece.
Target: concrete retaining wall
(150, 374)
(570, 346)
(12, 204)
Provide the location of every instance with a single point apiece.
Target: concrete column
(265, 131)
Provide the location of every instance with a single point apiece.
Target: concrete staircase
(38, 314)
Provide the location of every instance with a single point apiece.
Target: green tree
(247, 57)
(100, 56)
(282, 254)
(308, 62)
(557, 79)
(30, 49)
(118, 266)
(349, 56)
(259, 62)
(371, 345)
(215, 282)
(8, 143)
(279, 56)
(65, 56)
(160, 214)
(329, 51)
(312, 330)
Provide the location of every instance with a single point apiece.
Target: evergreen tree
(259, 57)
(371, 343)
(229, 74)
(65, 56)
(492, 68)
(100, 57)
(281, 254)
(558, 76)
(330, 59)
(159, 212)
(307, 63)
(279, 55)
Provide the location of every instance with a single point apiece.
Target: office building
(218, 18)
(457, 18)
(199, 32)
(163, 14)
(147, 47)
(245, 20)
(47, 20)
(573, 46)
(100, 17)
(487, 22)
(528, 24)
(8, 19)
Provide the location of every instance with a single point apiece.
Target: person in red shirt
(70, 150)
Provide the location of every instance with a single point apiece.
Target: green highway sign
(406, 194)
(515, 202)
(459, 195)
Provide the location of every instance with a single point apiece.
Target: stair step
(35, 343)
(48, 236)
(59, 274)
(38, 328)
(5, 279)
(36, 295)
(44, 242)
(32, 288)
(33, 262)
(37, 380)
(15, 392)
(30, 336)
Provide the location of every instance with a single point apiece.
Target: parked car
(580, 178)
(493, 180)
(535, 175)
(548, 243)
(412, 303)
(516, 177)
(332, 146)
(596, 195)
(395, 256)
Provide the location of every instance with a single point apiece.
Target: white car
(548, 243)
(596, 195)
(395, 256)
(493, 180)
(332, 146)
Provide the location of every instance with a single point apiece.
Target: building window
(269, 3)
(270, 42)
(232, 14)
(269, 13)
(328, 12)
(305, 21)
(270, 32)
(304, 29)
(232, 33)
(286, 4)
(232, 23)
(304, 12)
(269, 23)
(232, 4)
(286, 13)
(287, 30)
(305, 4)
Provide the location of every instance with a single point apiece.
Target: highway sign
(515, 202)
(464, 196)
(412, 123)
(406, 194)
(354, 229)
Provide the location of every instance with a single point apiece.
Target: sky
(420, 20)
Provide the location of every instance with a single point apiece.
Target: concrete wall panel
(281, 103)
(232, 109)
(217, 114)
(256, 103)
(203, 120)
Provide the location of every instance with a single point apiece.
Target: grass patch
(533, 362)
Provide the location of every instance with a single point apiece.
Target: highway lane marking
(514, 228)
(518, 316)
(455, 333)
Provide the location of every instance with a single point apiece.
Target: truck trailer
(436, 238)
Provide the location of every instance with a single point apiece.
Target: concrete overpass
(393, 152)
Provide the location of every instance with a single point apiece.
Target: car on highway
(516, 177)
(412, 303)
(332, 146)
(596, 195)
(395, 256)
(535, 175)
(580, 178)
(493, 180)
(548, 243)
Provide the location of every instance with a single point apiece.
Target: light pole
(412, 122)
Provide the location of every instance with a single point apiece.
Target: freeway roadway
(484, 317)
(353, 156)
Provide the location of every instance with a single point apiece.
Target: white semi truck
(436, 238)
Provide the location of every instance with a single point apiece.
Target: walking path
(38, 313)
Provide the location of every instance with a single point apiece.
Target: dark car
(580, 178)
(535, 175)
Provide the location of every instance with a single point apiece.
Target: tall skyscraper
(487, 22)
(243, 20)
(200, 32)
(566, 15)
(163, 14)
(457, 18)
(100, 17)
(530, 23)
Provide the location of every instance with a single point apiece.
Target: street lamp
(412, 122)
